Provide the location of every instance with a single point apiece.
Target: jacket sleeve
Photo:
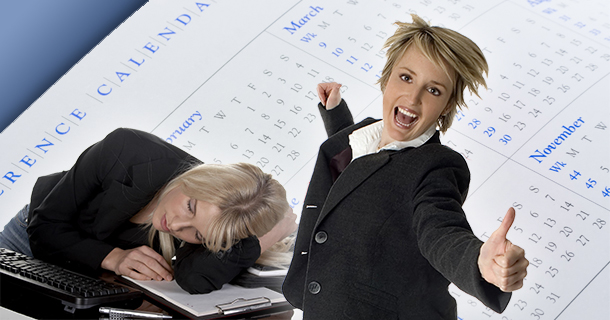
(198, 270)
(443, 233)
(337, 118)
(65, 227)
(54, 232)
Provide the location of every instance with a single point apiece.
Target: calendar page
(235, 81)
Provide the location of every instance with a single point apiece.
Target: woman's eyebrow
(439, 84)
(409, 70)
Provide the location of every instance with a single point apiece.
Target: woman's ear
(451, 105)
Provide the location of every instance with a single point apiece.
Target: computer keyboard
(76, 291)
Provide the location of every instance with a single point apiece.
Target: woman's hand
(141, 263)
(282, 229)
(329, 94)
(502, 263)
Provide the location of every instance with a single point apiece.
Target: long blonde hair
(447, 49)
(251, 203)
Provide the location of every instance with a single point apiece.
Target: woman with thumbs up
(382, 232)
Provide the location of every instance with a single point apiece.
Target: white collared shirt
(366, 140)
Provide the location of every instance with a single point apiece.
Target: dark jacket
(78, 216)
(387, 237)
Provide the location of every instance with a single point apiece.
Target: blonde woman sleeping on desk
(132, 201)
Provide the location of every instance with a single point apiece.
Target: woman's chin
(402, 134)
(157, 225)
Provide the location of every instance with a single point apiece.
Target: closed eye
(188, 204)
(192, 207)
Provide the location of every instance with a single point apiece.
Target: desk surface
(44, 308)
(19, 303)
(10, 314)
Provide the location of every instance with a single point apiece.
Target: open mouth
(404, 118)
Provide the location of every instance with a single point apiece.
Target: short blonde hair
(445, 48)
(251, 202)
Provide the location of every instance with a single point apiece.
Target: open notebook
(229, 300)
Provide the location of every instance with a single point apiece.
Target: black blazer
(385, 239)
(78, 216)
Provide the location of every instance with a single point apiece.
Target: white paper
(205, 304)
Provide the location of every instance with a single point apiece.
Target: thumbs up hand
(502, 263)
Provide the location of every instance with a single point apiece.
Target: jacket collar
(358, 171)
(366, 140)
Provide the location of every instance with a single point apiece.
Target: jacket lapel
(355, 173)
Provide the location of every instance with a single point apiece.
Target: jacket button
(321, 237)
(314, 287)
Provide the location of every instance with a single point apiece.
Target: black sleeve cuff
(198, 270)
(338, 118)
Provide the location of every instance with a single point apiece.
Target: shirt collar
(366, 139)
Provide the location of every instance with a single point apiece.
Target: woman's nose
(413, 97)
(179, 223)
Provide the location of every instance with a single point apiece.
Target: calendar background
(236, 82)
